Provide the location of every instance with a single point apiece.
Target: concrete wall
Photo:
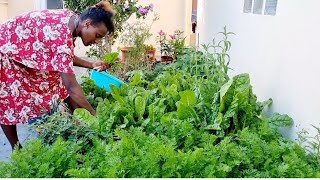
(16, 7)
(11, 8)
(279, 52)
(3, 10)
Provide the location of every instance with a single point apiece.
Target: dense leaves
(187, 119)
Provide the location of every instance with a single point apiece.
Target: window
(270, 8)
(49, 4)
(54, 4)
(262, 7)
(247, 6)
(257, 7)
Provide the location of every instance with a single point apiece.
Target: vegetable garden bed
(185, 119)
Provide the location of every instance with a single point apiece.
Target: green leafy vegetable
(111, 58)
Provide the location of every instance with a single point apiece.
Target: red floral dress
(34, 48)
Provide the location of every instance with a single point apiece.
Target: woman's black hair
(99, 15)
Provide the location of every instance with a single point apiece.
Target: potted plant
(134, 50)
(133, 38)
(124, 53)
(150, 52)
(171, 47)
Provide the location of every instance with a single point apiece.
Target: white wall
(279, 52)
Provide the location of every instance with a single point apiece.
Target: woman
(37, 58)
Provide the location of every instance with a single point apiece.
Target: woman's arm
(99, 65)
(82, 63)
(75, 91)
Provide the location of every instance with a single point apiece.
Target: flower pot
(124, 53)
(166, 59)
(151, 54)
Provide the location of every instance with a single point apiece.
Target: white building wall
(279, 52)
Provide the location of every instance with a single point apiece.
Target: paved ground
(25, 132)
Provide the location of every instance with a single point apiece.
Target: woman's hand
(77, 97)
(100, 66)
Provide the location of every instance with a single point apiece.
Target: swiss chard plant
(111, 58)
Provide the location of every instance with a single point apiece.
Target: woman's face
(92, 33)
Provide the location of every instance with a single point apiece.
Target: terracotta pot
(151, 54)
(166, 59)
(124, 53)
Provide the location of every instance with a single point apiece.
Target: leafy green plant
(219, 49)
(178, 122)
(111, 58)
(171, 47)
(133, 38)
(40, 160)
(149, 47)
(65, 126)
(93, 93)
(312, 145)
(135, 34)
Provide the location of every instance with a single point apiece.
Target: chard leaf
(136, 80)
(140, 106)
(218, 121)
(232, 112)
(120, 99)
(188, 98)
(185, 111)
(226, 95)
(103, 109)
(109, 123)
(225, 88)
(115, 89)
(208, 91)
(261, 106)
(173, 91)
(111, 58)
(156, 109)
(242, 84)
(215, 107)
(280, 120)
(85, 116)
(124, 125)
(152, 112)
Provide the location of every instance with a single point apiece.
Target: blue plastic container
(104, 80)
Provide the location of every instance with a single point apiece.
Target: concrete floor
(25, 133)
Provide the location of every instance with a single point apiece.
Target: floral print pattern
(34, 48)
